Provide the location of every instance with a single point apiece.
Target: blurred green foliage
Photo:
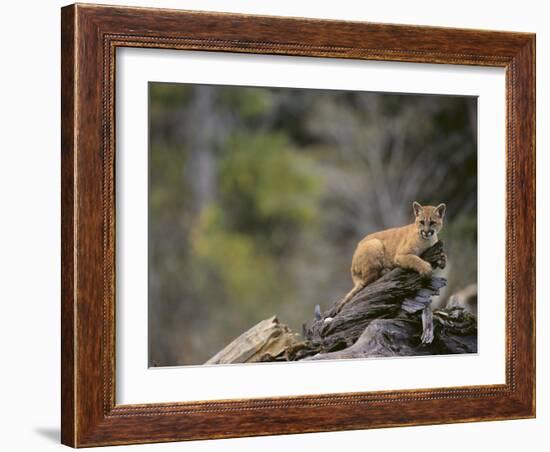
(267, 195)
(267, 189)
(258, 197)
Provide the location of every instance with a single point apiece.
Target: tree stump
(383, 319)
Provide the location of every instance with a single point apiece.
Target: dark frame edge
(68, 297)
(524, 65)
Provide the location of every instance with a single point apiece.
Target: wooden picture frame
(90, 36)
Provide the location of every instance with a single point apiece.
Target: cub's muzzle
(426, 234)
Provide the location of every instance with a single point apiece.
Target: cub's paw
(425, 270)
(442, 261)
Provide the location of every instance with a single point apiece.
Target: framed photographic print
(281, 225)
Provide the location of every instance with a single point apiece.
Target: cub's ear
(440, 210)
(417, 209)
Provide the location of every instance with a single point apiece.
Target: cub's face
(428, 219)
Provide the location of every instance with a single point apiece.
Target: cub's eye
(422, 222)
(432, 223)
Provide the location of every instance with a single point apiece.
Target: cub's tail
(356, 289)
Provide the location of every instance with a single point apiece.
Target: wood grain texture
(90, 36)
(68, 310)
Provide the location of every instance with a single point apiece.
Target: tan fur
(382, 251)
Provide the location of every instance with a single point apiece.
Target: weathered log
(396, 291)
(455, 331)
(387, 318)
(267, 341)
(465, 298)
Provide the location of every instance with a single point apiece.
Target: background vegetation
(258, 197)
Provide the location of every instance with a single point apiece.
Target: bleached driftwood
(266, 341)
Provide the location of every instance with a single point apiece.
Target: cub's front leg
(413, 262)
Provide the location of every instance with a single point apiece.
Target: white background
(137, 384)
(29, 224)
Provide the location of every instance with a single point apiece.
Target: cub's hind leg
(366, 267)
(368, 261)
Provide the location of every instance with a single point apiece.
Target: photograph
(297, 224)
